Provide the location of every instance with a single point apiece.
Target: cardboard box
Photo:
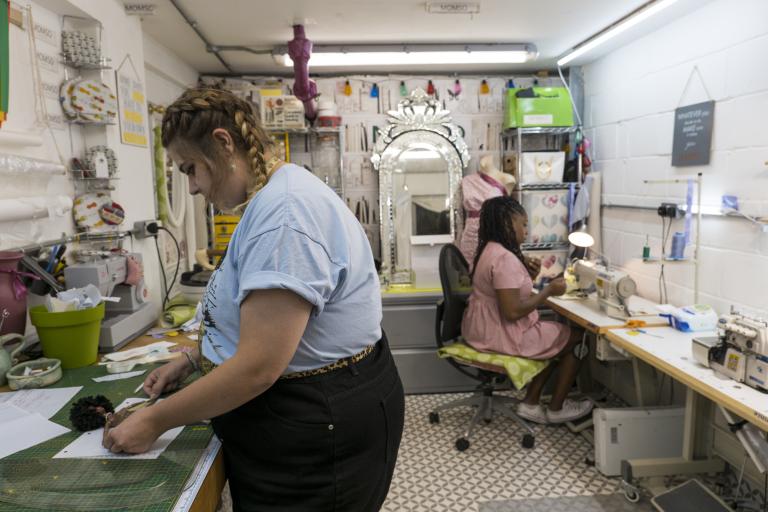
(280, 111)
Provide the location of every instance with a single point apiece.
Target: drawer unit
(409, 321)
(422, 371)
(410, 326)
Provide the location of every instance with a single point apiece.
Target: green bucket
(70, 336)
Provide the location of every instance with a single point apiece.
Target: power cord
(162, 272)
(178, 263)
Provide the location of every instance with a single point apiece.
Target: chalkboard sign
(693, 134)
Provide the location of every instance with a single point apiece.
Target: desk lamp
(582, 239)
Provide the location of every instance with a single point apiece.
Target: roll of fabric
(177, 314)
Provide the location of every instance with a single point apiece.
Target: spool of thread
(646, 249)
(678, 246)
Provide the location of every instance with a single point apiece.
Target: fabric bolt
(475, 190)
(483, 326)
(327, 442)
(296, 234)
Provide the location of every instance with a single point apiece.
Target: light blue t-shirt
(297, 234)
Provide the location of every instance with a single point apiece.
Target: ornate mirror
(420, 157)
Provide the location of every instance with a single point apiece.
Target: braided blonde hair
(191, 119)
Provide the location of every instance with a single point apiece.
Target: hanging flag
(430, 88)
(374, 91)
(403, 89)
(347, 88)
(484, 89)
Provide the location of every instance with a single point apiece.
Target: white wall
(168, 77)
(164, 78)
(631, 95)
(23, 121)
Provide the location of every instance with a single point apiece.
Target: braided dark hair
(496, 216)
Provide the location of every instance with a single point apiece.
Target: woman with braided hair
(298, 379)
(501, 316)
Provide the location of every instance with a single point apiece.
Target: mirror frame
(419, 115)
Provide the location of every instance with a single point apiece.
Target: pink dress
(475, 189)
(483, 326)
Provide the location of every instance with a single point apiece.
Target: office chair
(454, 277)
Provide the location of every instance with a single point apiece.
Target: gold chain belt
(206, 366)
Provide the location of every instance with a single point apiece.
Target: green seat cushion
(520, 370)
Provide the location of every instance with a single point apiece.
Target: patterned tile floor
(432, 476)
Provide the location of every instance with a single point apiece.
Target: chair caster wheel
(462, 444)
(528, 441)
(631, 492)
(632, 496)
(434, 417)
(487, 421)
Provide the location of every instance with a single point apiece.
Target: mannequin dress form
(476, 188)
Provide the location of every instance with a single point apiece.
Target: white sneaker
(572, 410)
(535, 413)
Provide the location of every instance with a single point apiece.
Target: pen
(649, 334)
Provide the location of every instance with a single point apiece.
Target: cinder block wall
(631, 95)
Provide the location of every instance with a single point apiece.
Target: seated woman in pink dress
(501, 316)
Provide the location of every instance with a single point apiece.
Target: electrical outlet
(669, 210)
(146, 228)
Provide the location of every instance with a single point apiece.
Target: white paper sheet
(138, 351)
(22, 429)
(88, 445)
(9, 412)
(118, 376)
(46, 402)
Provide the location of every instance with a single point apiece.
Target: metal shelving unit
(311, 143)
(518, 135)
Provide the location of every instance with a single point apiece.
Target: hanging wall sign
(693, 134)
(131, 105)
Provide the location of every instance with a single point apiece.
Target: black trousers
(322, 443)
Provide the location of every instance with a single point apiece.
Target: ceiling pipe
(300, 50)
(208, 46)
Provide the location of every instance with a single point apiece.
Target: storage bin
(542, 167)
(550, 106)
(547, 215)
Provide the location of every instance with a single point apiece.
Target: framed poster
(131, 106)
(693, 134)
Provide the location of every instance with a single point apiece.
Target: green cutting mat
(31, 480)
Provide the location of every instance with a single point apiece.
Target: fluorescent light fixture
(413, 55)
(625, 23)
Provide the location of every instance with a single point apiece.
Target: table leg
(683, 465)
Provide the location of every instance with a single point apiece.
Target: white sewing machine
(739, 351)
(123, 320)
(614, 287)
